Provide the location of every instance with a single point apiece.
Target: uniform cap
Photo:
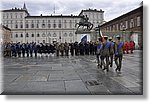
(110, 38)
(117, 36)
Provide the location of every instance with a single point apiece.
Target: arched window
(16, 35)
(38, 35)
(32, 35)
(65, 35)
(21, 35)
(27, 35)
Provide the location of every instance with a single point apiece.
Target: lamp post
(97, 29)
(123, 33)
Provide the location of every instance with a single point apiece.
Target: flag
(84, 39)
(101, 35)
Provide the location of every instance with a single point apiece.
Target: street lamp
(123, 33)
(97, 29)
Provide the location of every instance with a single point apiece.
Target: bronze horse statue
(84, 22)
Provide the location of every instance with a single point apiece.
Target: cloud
(112, 8)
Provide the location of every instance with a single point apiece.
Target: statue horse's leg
(90, 26)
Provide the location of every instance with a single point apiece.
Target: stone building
(5, 34)
(129, 26)
(45, 28)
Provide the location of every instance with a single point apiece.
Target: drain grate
(92, 83)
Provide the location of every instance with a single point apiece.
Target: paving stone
(76, 87)
(32, 78)
(67, 75)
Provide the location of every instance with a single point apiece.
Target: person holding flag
(118, 53)
(98, 53)
(105, 53)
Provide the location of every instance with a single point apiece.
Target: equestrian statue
(84, 23)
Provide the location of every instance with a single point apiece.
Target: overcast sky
(111, 8)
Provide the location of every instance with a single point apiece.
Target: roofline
(91, 10)
(14, 10)
(70, 16)
(131, 12)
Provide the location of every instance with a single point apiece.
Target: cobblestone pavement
(71, 75)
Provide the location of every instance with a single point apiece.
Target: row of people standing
(61, 49)
(109, 50)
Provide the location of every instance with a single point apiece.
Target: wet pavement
(71, 75)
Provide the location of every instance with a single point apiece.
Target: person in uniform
(23, 49)
(53, 49)
(27, 49)
(35, 49)
(72, 49)
(66, 48)
(13, 49)
(118, 53)
(62, 49)
(31, 49)
(98, 53)
(81, 47)
(105, 54)
(76, 45)
(91, 48)
(57, 49)
(111, 51)
(18, 48)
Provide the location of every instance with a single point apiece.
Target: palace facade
(46, 28)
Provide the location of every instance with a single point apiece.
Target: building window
(43, 25)
(59, 25)
(21, 26)
(32, 35)
(138, 21)
(131, 23)
(43, 41)
(48, 21)
(27, 26)
(54, 25)
(126, 25)
(65, 35)
(16, 35)
(37, 25)
(65, 24)
(32, 25)
(21, 35)
(70, 24)
(16, 26)
(7, 15)
(38, 35)
(49, 34)
(27, 35)
(117, 27)
(49, 25)
(70, 34)
(11, 15)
